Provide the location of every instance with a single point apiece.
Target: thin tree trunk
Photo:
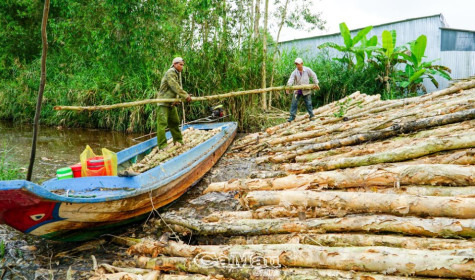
(455, 88)
(186, 277)
(430, 146)
(367, 176)
(420, 190)
(342, 203)
(192, 31)
(350, 240)
(44, 40)
(386, 260)
(259, 272)
(257, 17)
(171, 100)
(355, 126)
(434, 227)
(391, 131)
(276, 47)
(264, 56)
(412, 107)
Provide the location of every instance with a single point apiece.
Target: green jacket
(170, 87)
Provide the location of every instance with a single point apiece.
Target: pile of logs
(191, 138)
(385, 191)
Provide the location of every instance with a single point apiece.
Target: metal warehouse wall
(458, 52)
(462, 63)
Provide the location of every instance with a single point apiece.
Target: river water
(56, 147)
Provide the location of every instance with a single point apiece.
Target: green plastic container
(64, 173)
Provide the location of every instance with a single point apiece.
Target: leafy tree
(20, 21)
(416, 70)
(350, 49)
(386, 58)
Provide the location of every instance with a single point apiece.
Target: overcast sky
(360, 13)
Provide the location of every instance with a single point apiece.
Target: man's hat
(298, 60)
(177, 60)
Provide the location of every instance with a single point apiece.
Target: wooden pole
(264, 56)
(203, 98)
(41, 89)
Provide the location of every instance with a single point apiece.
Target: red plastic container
(96, 165)
(76, 170)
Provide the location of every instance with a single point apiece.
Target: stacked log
(386, 191)
(191, 138)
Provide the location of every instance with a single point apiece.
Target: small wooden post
(41, 89)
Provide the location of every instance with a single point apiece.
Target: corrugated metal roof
(374, 26)
(457, 29)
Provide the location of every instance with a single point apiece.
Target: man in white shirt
(301, 76)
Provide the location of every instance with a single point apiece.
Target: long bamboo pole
(171, 100)
(41, 89)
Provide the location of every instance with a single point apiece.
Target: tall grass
(8, 171)
(77, 83)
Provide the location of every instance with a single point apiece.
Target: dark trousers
(295, 100)
(168, 117)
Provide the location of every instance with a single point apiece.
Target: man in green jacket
(170, 87)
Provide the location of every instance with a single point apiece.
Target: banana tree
(410, 80)
(349, 48)
(387, 57)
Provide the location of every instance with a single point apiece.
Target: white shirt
(297, 78)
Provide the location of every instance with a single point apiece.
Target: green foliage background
(111, 51)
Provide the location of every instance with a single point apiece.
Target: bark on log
(328, 119)
(191, 138)
(453, 89)
(394, 143)
(367, 176)
(386, 260)
(126, 241)
(187, 277)
(355, 127)
(351, 240)
(388, 118)
(401, 154)
(392, 131)
(153, 275)
(172, 100)
(462, 157)
(262, 272)
(468, 191)
(375, 203)
(304, 124)
(355, 96)
(435, 227)
(270, 212)
(414, 105)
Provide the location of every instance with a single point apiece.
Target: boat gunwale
(42, 192)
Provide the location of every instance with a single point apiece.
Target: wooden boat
(81, 208)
